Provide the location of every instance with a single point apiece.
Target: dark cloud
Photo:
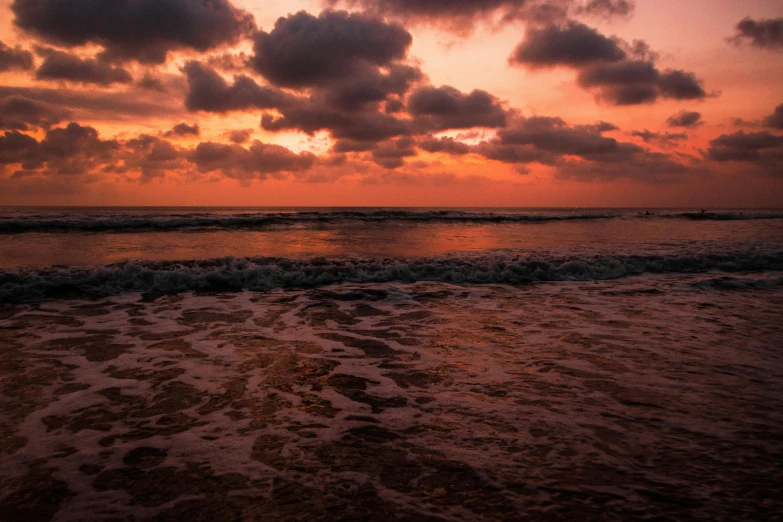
(97, 104)
(462, 15)
(72, 150)
(363, 126)
(446, 145)
(572, 45)
(371, 86)
(553, 136)
(668, 139)
(619, 72)
(257, 161)
(775, 120)
(761, 148)
(687, 119)
(151, 83)
(634, 82)
(15, 58)
(183, 129)
(16, 147)
(442, 108)
(239, 136)
(210, 92)
(391, 154)
(648, 167)
(63, 66)
(151, 156)
(608, 8)
(304, 51)
(681, 85)
(21, 113)
(144, 30)
(766, 34)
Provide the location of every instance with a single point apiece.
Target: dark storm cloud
(59, 65)
(15, 58)
(766, 34)
(16, 147)
(775, 120)
(304, 51)
(144, 30)
(668, 139)
(687, 119)
(571, 45)
(762, 148)
(446, 144)
(210, 92)
(461, 15)
(442, 108)
(183, 129)
(257, 161)
(21, 113)
(151, 156)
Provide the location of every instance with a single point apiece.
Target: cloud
(254, 162)
(687, 119)
(573, 45)
(151, 83)
(442, 108)
(116, 105)
(21, 113)
(239, 136)
(183, 129)
(15, 58)
(71, 150)
(143, 30)
(63, 66)
(668, 139)
(765, 34)
(554, 137)
(446, 144)
(305, 51)
(619, 72)
(462, 15)
(775, 120)
(210, 92)
(368, 87)
(363, 126)
(648, 167)
(763, 149)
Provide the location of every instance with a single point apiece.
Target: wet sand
(649, 398)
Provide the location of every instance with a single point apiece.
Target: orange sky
(541, 108)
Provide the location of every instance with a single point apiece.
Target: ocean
(391, 364)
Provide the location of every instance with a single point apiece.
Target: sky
(529, 103)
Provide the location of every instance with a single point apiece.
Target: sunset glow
(364, 103)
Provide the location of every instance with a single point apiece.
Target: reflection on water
(391, 239)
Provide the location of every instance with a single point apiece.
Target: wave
(263, 274)
(725, 216)
(163, 222)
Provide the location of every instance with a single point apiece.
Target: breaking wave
(263, 274)
(162, 222)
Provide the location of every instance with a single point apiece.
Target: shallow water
(371, 364)
(652, 397)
